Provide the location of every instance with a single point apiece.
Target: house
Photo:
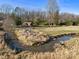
(26, 24)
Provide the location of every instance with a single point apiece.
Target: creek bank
(8, 41)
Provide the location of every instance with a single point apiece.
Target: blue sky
(70, 6)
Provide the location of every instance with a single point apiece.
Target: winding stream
(16, 45)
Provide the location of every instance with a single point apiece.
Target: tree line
(20, 15)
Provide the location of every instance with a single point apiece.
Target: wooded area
(51, 17)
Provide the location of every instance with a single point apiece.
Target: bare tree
(56, 18)
(6, 9)
(19, 11)
(8, 24)
(52, 10)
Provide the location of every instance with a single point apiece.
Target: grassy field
(58, 30)
(69, 51)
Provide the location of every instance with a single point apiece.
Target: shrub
(76, 22)
(18, 21)
(35, 23)
(68, 22)
(62, 23)
(39, 22)
(43, 22)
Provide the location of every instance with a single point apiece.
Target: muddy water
(12, 43)
(16, 45)
(64, 38)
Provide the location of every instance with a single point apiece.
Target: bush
(43, 22)
(39, 22)
(18, 21)
(35, 23)
(76, 22)
(68, 22)
(62, 23)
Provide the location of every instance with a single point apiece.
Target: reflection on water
(64, 38)
(15, 45)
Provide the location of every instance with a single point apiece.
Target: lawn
(58, 30)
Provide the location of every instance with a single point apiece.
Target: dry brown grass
(58, 30)
(69, 51)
